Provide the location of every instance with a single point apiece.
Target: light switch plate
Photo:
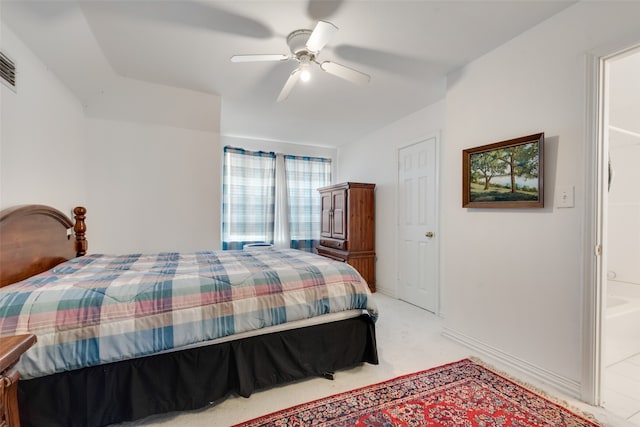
(565, 197)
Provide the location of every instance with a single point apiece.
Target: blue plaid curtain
(304, 176)
(248, 197)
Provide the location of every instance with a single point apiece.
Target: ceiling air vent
(8, 71)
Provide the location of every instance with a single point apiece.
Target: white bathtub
(622, 322)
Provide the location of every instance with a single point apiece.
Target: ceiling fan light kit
(305, 45)
(305, 68)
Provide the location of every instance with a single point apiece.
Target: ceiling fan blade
(259, 58)
(290, 83)
(321, 35)
(345, 72)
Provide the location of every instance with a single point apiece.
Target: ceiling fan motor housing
(297, 41)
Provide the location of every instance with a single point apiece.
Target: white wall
(152, 188)
(279, 147)
(513, 279)
(153, 178)
(284, 148)
(374, 159)
(148, 186)
(42, 132)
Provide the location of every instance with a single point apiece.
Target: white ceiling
(407, 47)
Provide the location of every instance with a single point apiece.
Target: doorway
(620, 276)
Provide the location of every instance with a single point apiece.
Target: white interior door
(418, 225)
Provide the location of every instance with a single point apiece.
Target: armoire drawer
(336, 244)
(329, 254)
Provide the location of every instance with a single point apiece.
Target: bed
(127, 336)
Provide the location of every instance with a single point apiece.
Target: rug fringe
(560, 402)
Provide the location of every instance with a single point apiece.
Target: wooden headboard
(35, 238)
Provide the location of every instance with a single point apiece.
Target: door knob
(429, 234)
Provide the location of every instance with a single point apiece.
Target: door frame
(437, 137)
(595, 214)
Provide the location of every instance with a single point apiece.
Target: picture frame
(507, 174)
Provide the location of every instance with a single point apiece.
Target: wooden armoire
(348, 225)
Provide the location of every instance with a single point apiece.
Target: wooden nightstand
(11, 348)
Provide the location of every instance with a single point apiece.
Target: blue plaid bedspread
(98, 309)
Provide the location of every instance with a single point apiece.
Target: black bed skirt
(192, 379)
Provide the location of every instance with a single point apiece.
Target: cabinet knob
(429, 234)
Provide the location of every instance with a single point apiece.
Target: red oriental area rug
(463, 393)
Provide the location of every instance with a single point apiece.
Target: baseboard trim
(568, 386)
(384, 291)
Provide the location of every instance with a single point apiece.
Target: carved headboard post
(80, 228)
(35, 238)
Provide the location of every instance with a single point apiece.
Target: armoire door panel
(325, 225)
(339, 214)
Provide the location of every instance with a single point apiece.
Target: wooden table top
(11, 348)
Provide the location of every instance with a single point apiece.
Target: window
(248, 197)
(273, 199)
(304, 176)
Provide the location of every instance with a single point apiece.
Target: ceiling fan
(305, 46)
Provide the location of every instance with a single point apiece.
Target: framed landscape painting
(507, 174)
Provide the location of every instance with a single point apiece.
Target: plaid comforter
(99, 309)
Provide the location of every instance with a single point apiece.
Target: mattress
(103, 308)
